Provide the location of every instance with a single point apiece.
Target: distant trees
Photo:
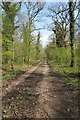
(33, 9)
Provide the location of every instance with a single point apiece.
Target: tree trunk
(79, 47)
(71, 14)
(12, 60)
(29, 52)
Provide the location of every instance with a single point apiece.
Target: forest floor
(38, 93)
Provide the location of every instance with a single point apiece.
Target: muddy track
(40, 95)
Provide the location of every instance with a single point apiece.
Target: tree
(64, 16)
(71, 14)
(60, 18)
(26, 43)
(59, 35)
(10, 11)
(38, 47)
(33, 9)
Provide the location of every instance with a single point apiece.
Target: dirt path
(40, 95)
(10, 85)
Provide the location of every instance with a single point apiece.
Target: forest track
(9, 85)
(40, 95)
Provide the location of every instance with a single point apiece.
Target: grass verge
(69, 74)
